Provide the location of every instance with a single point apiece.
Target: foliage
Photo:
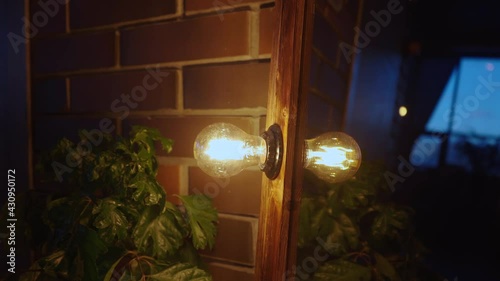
(114, 223)
(364, 236)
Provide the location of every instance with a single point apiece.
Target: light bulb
(333, 157)
(403, 111)
(224, 150)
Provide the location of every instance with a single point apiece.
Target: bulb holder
(274, 156)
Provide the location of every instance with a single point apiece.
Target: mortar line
(172, 65)
(254, 32)
(183, 180)
(229, 8)
(68, 94)
(119, 126)
(117, 48)
(236, 112)
(180, 90)
(67, 12)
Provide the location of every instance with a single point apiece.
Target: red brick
(267, 24)
(325, 39)
(224, 272)
(314, 71)
(344, 65)
(342, 20)
(183, 130)
(236, 195)
(47, 19)
(168, 177)
(226, 86)
(319, 113)
(195, 5)
(100, 92)
(94, 50)
(49, 96)
(235, 240)
(346, 23)
(337, 118)
(89, 13)
(198, 38)
(332, 84)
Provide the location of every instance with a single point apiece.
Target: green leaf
(344, 236)
(110, 221)
(147, 189)
(157, 233)
(385, 268)
(389, 222)
(44, 268)
(355, 195)
(188, 254)
(315, 220)
(114, 272)
(202, 218)
(58, 213)
(178, 217)
(116, 201)
(307, 231)
(34, 272)
(148, 136)
(133, 268)
(342, 270)
(90, 246)
(181, 272)
(166, 144)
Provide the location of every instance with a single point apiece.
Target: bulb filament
(335, 157)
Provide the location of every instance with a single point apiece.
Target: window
(468, 116)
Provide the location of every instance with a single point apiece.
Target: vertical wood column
(287, 105)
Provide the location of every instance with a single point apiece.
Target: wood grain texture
(287, 103)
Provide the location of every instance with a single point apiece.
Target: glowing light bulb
(333, 157)
(224, 150)
(403, 111)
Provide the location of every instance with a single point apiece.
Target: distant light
(403, 111)
(490, 66)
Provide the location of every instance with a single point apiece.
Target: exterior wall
(372, 103)
(179, 66)
(331, 65)
(170, 64)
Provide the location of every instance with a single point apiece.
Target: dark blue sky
(475, 113)
(476, 116)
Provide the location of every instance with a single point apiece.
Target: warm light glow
(332, 156)
(224, 150)
(490, 66)
(403, 111)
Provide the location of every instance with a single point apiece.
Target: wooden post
(287, 107)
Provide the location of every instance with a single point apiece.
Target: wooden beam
(287, 107)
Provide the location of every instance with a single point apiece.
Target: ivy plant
(353, 231)
(114, 222)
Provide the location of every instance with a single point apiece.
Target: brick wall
(331, 70)
(170, 64)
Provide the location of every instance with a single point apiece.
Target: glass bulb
(333, 157)
(403, 111)
(224, 150)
